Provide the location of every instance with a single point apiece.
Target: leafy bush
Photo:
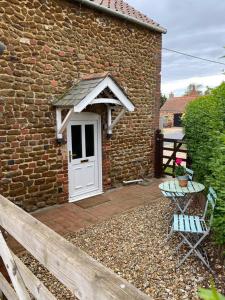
(210, 294)
(204, 123)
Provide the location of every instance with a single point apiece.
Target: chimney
(171, 95)
(194, 92)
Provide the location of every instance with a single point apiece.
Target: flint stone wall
(51, 44)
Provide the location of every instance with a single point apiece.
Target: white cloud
(178, 86)
(195, 29)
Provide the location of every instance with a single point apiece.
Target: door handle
(84, 160)
(71, 156)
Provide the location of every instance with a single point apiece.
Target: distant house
(173, 109)
(80, 94)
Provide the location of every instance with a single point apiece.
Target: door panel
(83, 167)
(89, 171)
(77, 180)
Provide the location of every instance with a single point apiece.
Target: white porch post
(120, 115)
(58, 122)
(109, 112)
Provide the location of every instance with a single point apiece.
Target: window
(89, 140)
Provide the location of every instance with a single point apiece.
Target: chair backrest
(190, 173)
(211, 199)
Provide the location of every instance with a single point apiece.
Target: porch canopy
(90, 90)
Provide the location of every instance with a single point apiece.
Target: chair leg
(193, 249)
(189, 252)
(169, 234)
(203, 259)
(179, 245)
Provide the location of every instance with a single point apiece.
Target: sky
(196, 27)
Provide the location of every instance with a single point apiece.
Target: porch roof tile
(79, 91)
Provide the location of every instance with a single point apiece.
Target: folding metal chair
(175, 197)
(190, 173)
(194, 229)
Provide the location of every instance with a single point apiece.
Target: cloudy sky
(196, 27)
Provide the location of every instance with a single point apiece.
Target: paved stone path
(71, 217)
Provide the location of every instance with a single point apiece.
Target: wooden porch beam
(106, 101)
(120, 115)
(62, 125)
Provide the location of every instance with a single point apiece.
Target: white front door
(84, 156)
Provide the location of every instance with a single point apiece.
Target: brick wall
(51, 44)
(168, 118)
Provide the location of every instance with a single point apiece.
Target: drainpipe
(107, 10)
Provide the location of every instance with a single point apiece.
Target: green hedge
(204, 123)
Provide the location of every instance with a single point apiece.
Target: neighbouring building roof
(87, 90)
(124, 10)
(177, 104)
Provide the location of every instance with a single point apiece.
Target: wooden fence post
(85, 277)
(189, 161)
(174, 157)
(158, 165)
(15, 276)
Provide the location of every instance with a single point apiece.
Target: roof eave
(122, 16)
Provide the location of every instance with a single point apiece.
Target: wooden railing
(165, 163)
(82, 275)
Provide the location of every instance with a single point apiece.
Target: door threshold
(82, 197)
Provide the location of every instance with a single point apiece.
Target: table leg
(176, 201)
(188, 199)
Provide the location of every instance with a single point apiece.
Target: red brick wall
(49, 46)
(169, 118)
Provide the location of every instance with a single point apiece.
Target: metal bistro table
(184, 194)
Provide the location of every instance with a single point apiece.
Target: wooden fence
(82, 275)
(165, 163)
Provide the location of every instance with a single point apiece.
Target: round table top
(173, 187)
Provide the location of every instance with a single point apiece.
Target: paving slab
(72, 217)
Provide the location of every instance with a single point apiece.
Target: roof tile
(177, 104)
(124, 8)
(73, 96)
(80, 90)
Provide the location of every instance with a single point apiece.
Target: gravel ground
(133, 246)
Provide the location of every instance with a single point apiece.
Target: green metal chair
(194, 229)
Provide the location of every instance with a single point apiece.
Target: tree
(162, 99)
(193, 88)
(208, 90)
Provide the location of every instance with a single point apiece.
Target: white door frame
(87, 116)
